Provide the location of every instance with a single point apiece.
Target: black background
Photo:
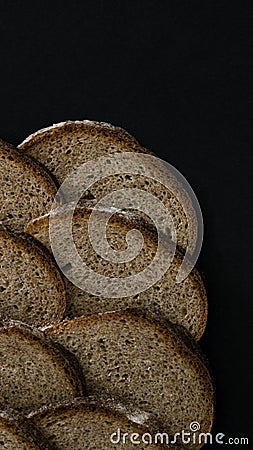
(178, 76)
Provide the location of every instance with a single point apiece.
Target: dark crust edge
(98, 405)
(105, 129)
(87, 125)
(183, 341)
(66, 359)
(24, 430)
(147, 229)
(31, 245)
(24, 161)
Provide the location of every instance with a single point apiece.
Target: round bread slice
(133, 357)
(88, 424)
(18, 434)
(65, 146)
(34, 372)
(184, 303)
(32, 288)
(27, 189)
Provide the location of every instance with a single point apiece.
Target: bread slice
(89, 424)
(65, 146)
(184, 303)
(34, 371)
(27, 190)
(32, 288)
(131, 356)
(18, 434)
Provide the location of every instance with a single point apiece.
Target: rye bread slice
(133, 356)
(34, 371)
(65, 146)
(32, 288)
(184, 303)
(27, 190)
(17, 433)
(92, 424)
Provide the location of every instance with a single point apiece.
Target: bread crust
(182, 343)
(87, 126)
(31, 171)
(41, 226)
(64, 146)
(105, 407)
(64, 359)
(32, 247)
(25, 162)
(182, 339)
(22, 429)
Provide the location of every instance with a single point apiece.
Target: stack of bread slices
(79, 370)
